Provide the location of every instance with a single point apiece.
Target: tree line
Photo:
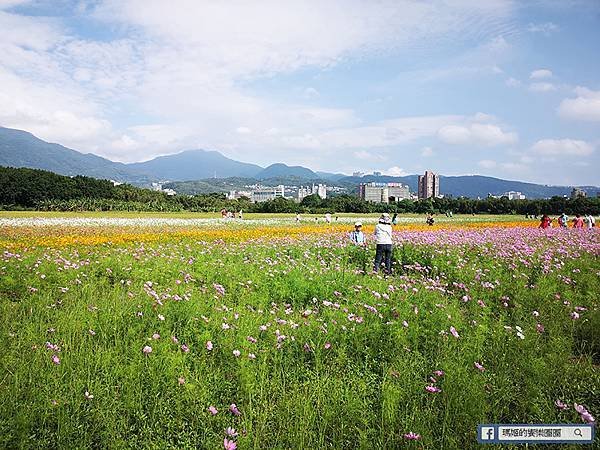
(42, 190)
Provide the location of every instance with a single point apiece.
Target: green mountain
(282, 170)
(195, 165)
(22, 149)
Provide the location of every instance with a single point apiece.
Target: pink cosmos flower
(209, 345)
(56, 360)
(92, 332)
(147, 350)
(327, 345)
(251, 339)
(412, 436)
(251, 356)
(181, 381)
(539, 328)
(454, 332)
(213, 410)
(229, 445)
(88, 396)
(479, 367)
(185, 348)
(574, 315)
(231, 432)
(586, 416)
(234, 410)
(433, 389)
(156, 336)
(560, 405)
(174, 340)
(438, 373)
(405, 324)
(236, 353)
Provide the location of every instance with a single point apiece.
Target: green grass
(366, 391)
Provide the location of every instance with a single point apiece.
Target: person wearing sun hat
(383, 239)
(357, 236)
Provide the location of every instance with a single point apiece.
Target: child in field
(357, 236)
(383, 238)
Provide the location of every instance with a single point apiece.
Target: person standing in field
(590, 221)
(563, 219)
(297, 217)
(383, 239)
(395, 219)
(357, 236)
(545, 222)
(328, 218)
(578, 221)
(241, 215)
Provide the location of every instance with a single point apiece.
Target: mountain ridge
(20, 148)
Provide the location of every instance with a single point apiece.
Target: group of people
(225, 214)
(587, 221)
(383, 239)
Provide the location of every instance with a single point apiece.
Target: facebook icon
(487, 434)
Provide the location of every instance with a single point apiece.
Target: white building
(236, 195)
(514, 195)
(264, 194)
(383, 192)
(358, 174)
(305, 191)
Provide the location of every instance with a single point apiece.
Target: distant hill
(280, 170)
(195, 165)
(472, 186)
(22, 149)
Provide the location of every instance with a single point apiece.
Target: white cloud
(243, 130)
(542, 87)
(540, 73)
(512, 82)
(487, 163)
(311, 93)
(545, 28)
(395, 172)
(562, 147)
(476, 134)
(426, 152)
(586, 106)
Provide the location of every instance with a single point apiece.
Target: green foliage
(366, 391)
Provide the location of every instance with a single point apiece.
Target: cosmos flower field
(276, 335)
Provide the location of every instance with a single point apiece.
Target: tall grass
(350, 372)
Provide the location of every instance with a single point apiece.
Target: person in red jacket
(578, 221)
(545, 222)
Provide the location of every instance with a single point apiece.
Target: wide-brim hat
(358, 224)
(385, 217)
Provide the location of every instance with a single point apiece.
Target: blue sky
(497, 87)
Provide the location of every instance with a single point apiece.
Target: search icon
(577, 432)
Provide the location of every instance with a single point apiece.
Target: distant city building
(429, 185)
(159, 187)
(116, 183)
(358, 174)
(377, 174)
(319, 189)
(236, 195)
(264, 194)
(383, 192)
(514, 195)
(169, 191)
(578, 192)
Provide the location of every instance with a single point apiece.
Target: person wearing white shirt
(383, 239)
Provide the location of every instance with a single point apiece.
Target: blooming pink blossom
(479, 367)
(147, 350)
(209, 345)
(88, 396)
(560, 405)
(229, 445)
(236, 353)
(185, 348)
(156, 336)
(412, 436)
(454, 332)
(231, 432)
(234, 410)
(181, 381)
(432, 389)
(438, 373)
(56, 359)
(327, 345)
(213, 410)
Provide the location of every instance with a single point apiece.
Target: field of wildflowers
(269, 334)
